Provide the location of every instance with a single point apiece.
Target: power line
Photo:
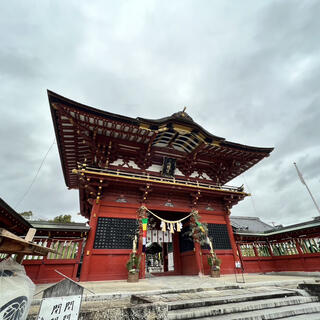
(35, 177)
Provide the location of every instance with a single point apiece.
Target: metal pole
(314, 201)
(303, 182)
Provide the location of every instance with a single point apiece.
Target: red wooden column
(239, 250)
(240, 255)
(142, 273)
(197, 253)
(197, 249)
(231, 237)
(176, 253)
(90, 241)
(78, 259)
(270, 249)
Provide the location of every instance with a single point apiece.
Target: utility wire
(35, 177)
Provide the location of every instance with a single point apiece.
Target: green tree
(27, 214)
(66, 218)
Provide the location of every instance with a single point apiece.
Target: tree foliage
(66, 218)
(27, 214)
(63, 218)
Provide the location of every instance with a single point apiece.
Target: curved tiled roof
(76, 125)
(249, 224)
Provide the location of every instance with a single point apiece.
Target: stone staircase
(267, 304)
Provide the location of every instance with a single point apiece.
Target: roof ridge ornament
(182, 115)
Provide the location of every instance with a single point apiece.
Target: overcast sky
(246, 70)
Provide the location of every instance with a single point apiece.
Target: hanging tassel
(179, 226)
(163, 226)
(171, 228)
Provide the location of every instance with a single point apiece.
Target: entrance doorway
(159, 252)
(162, 247)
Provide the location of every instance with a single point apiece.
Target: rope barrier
(164, 220)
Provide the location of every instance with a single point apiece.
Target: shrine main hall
(170, 167)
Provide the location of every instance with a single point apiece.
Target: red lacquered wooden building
(263, 248)
(170, 166)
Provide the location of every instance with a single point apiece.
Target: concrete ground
(155, 285)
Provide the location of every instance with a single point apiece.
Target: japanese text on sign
(60, 308)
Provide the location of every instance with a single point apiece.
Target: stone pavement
(105, 290)
(188, 297)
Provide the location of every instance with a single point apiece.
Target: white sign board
(170, 262)
(60, 308)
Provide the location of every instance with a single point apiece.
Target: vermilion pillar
(176, 253)
(90, 241)
(231, 237)
(142, 273)
(197, 249)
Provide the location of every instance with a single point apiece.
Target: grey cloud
(247, 71)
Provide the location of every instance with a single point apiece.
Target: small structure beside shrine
(264, 248)
(16, 288)
(54, 246)
(13, 227)
(167, 171)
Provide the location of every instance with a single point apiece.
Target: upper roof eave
(54, 97)
(181, 120)
(246, 147)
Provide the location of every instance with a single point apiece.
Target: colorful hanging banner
(144, 233)
(200, 226)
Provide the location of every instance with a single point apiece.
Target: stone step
(233, 309)
(214, 300)
(308, 311)
(309, 316)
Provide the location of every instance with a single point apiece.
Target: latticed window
(3, 256)
(310, 245)
(262, 249)
(247, 250)
(284, 248)
(66, 249)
